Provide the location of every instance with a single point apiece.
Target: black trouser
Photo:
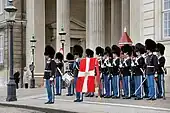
(17, 85)
(26, 85)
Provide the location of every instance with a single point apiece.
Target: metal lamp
(11, 86)
(32, 81)
(62, 40)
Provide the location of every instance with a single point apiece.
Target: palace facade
(89, 23)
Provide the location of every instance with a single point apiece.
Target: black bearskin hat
(59, 56)
(99, 51)
(127, 49)
(150, 45)
(70, 56)
(89, 53)
(49, 51)
(133, 51)
(140, 48)
(108, 51)
(78, 50)
(116, 50)
(160, 48)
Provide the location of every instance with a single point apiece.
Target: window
(1, 6)
(1, 49)
(166, 19)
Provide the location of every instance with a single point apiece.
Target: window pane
(168, 32)
(165, 32)
(165, 16)
(165, 25)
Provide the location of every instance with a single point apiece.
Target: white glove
(51, 79)
(77, 60)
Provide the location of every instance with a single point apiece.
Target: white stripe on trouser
(59, 85)
(110, 87)
(129, 85)
(162, 84)
(141, 87)
(117, 84)
(155, 88)
(81, 96)
(71, 91)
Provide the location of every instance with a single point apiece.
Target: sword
(141, 83)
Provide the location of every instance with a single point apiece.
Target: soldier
(126, 72)
(89, 54)
(107, 73)
(77, 52)
(151, 68)
(59, 64)
(161, 70)
(132, 81)
(70, 59)
(99, 54)
(115, 71)
(49, 73)
(139, 70)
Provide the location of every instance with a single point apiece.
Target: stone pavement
(16, 110)
(35, 98)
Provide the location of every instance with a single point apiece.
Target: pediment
(77, 25)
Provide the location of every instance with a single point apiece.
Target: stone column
(108, 22)
(126, 15)
(115, 21)
(87, 23)
(63, 20)
(96, 18)
(36, 26)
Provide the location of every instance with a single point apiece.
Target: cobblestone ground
(16, 110)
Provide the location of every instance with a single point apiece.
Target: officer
(49, 73)
(151, 68)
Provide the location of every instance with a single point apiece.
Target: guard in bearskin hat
(139, 70)
(115, 71)
(160, 48)
(89, 54)
(77, 52)
(49, 73)
(151, 68)
(107, 72)
(59, 63)
(132, 81)
(69, 69)
(100, 53)
(126, 70)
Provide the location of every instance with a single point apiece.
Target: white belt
(47, 70)
(84, 74)
(150, 66)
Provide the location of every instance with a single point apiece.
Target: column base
(11, 91)
(32, 83)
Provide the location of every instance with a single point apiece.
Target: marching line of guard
(128, 71)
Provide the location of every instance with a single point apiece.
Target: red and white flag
(61, 50)
(86, 75)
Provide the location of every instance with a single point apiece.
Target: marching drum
(67, 78)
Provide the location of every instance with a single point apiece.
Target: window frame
(163, 20)
(1, 7)
(1, 49)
